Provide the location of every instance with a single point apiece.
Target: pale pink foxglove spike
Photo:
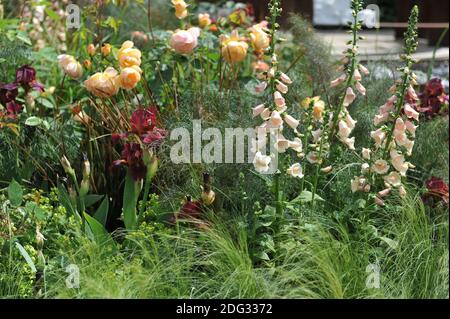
(411, 113)
(411, 128)
(265, 114)
(261, 87)
(398, 161)
(295, 170)
(257, 110)
(393, 179)
(296, 145)
(285, 79)
(338, 81)
(275, 119)
(279, 99)
(380, 118)
(283, 88)
(349, 97)
(292, 122)
(361, 89)
(364, 70)
(357, 75)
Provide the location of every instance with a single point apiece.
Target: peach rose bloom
(180, 9)
(259, 38)
(185, 41)
(70, 66)
(130, 77)
(129, 56)
(103, 84)
(234, 49)
(204, 20)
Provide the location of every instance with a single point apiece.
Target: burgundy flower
(13, 108)
(437, 190)
(25, 74)
(26, 77)
(143, 120)
(132, 156)
(143, 123)
(8, 93)
(433, 98)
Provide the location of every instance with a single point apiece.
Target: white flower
(350, 96)
(350, 143)
(296, 145)
(286, 79)
(380, 167)
(366, 153)
(261, 162)
(398, 161)
(257, 110)
(275, 119)
(261, 87)
(378, 136)
(282, 144)
(292, 122)
(316, 135)
(295, 170)
(283, 88)
(393, 179)
(363, 69)
(279, 100)
(313, 158)
(365, 168)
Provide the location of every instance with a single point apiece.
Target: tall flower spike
(394, 138)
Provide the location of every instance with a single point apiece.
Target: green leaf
(26, 256)
(92, 199)
(33, 209)
(130, 198)
(64, 199)
(95, 231)
(33, 121)
(46, 103)
(22, 36)
(306, 197)
(101, 215)
(262, 256)
(393, 244)
(15, 193)
(52, 14)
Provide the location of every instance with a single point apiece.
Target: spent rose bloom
(185, 41)
(103, 84)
